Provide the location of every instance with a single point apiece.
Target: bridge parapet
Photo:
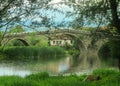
(16, 34)
(48, 32)
(76, 32)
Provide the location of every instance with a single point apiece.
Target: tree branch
(115, 18)
(6, 7)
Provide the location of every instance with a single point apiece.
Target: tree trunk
(114, 12)
(119, 64)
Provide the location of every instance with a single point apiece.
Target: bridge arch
(100, 42)
(79, 41)
(24, 41)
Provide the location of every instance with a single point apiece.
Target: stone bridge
(86, 39)
(89, 42)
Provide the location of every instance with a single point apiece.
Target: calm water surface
(23, 68)
(62, 66)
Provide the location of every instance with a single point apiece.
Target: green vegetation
(108, 78)
(38, 41)
(32, 52)
(15, 81)
(1, 37)
(110, 52)
(73, 50)
(17, 29)
(15, 42)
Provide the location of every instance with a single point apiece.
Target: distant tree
(17, 29)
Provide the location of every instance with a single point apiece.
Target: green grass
(109, 78)
(15, 81)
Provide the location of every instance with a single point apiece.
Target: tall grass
(16, 81)
(32, 52)
(44, 79)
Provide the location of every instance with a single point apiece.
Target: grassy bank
(108, 78)
(32, 52)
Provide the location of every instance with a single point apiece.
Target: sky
(57, 16)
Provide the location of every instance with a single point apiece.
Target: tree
(0, 36)
(18, 12)
(96, 11)
(17, 29)
(115, 6)
(11, 10)
(99, 12)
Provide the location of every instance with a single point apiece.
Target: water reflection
(25, 68)
(13, 71)
(67, 65)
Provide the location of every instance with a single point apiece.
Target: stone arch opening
(105, 55)
(99, 43)
(23, 41)
(79, 41)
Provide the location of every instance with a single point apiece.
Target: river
(23, 68)
(61, 66)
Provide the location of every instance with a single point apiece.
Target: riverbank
(107, 78)
(32, 52)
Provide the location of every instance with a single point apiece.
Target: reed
(32, 52)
